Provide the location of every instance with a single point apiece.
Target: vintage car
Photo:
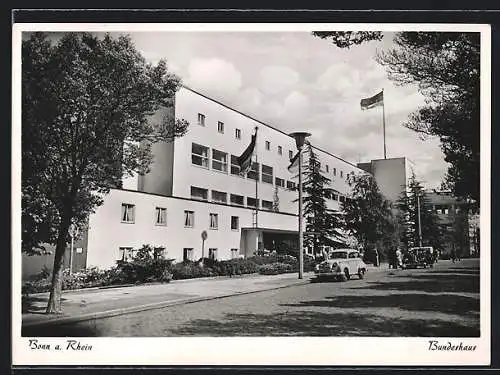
(341, 264)
(419, 257)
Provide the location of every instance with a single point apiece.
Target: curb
(146, 307)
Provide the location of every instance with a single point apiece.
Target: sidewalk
(94, 303)
(100, 303)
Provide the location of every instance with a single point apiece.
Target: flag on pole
(374, 101)
(245, 159)
(294, 162)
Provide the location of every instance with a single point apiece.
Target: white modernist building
(194, 185)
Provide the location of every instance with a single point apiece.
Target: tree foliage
(408, 204)
(86, 107)
(346, 39)
(445, 68)
(368, 215)
(323, 225)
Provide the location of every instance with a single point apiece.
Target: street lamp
(419, 223)
(300, 138)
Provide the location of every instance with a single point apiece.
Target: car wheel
(361, 273)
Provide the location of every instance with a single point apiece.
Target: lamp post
(419, 223)
(300, 138)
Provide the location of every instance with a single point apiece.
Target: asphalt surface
(438, 302)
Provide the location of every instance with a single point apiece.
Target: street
(438, 302)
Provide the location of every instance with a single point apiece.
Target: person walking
(399, 258)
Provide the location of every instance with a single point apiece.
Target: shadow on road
(308, 323)
(445, 303)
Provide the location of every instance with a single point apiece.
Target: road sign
(204, 235)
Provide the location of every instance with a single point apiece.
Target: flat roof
(263, 123)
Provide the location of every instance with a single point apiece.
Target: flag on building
(245, 159)
(374, 101)
(294, 162)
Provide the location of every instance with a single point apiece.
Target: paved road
(443, 301)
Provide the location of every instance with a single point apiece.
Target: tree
(276, 200)
(445, 67)
(408, 204)
(323, 225)
(346, 39)
(368, 215)
(86, 122)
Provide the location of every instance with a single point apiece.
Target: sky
(297, 82)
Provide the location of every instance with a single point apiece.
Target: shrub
(275, 268)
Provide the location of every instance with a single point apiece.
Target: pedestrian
(453, 254)
(399, 258)
(376, 258)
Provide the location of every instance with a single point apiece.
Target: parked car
(341, 264)
(419, 257)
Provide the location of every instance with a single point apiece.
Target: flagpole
(383, 122)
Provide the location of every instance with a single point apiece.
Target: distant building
(454, 217)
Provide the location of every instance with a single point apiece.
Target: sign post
(73, 232)
(204, 236)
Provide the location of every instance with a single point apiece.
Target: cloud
(214, 75)
(274, 79)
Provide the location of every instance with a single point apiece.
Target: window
(335, 197)
(327, 168)
(341, 174)
(214, 221)
(237, 199)
(159, 253)
(128, 213)
(280, 182)
(220, 127)
(199, 155)
(290, 185)
(189, 219)
(199, 193)
(267, 205)
(268, 145)
(254, 172)
(290, 154)
(161, 216)
(212, 253)
(334, 171)
(237, 133)
(126, 253)
(280, 150)
(353, 255)
(201, 119)
(251, 202)
(219, 160)
(446, 210)
(328, 194)
(187, 254)
(219, 196)
(235, 223)
(235, 168)
(267, 174)
(342, 198)
(234, 253)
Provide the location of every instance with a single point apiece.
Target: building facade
(194, 186)
(453, 216)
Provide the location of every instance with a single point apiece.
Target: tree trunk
(54, 305)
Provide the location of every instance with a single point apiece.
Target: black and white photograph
(294, 183)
